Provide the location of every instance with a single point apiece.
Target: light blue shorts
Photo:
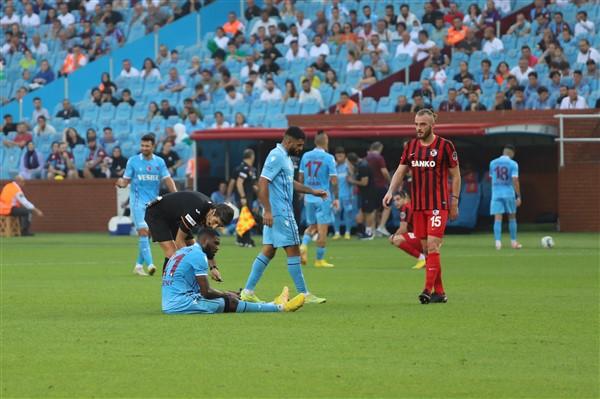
(196, 304)
(138, 212)
(500, 206)
(283, 233)
(319, 212)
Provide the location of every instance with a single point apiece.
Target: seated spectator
(98, 48)
(491, 44)
(199, 94)
(406, 16)
(21, 139)
(418, 103)
(424, 46)
(66, 19)
(310, 93)
(542, 101)
(38, 109)
(248, 93)
(452, 14)
(149, 70)
(463, 72)
(518, 101)
(511, 86)
(430, 15)
(27, 62)
(118, 163)
(31, 163)
(110, 15)
(554, 56)
(368, 78)
(354, 62)
(521, 28)
(155, 16)
(573, 100)
(473, 19)
(268, 66)
(163, 54)
(220, 39)
(67, 111)
(227, 79)
(486, 72)
(592, 72)
(331, 79)
(114, 32)
(195, 68)
(233, 25)
(232, 97)
(532, 86)
(426, 91)
(256, 80)
(406, 46)
(166, 110)
(271, 93)
(220, 122)
(526, 52)
(563, 93)
(501, 103)
(72, 138)
(96, 97)
(74, 60)
(451, 105)
(93, 161)
(239, 120)
(108, 98)
(439, 32)
(502, 73)
(321, 64)
(60, 163)
(312, 77)
(220, 196)
(490, 15)
(457, 33)
(295, 52)
(470, 44)
(30, 19)
(270, 51)
(209, 83)
(347, 35)
(522, 70)
(174, 82)
(438, 75)
(38, 48)
(290, 90)
(346, 105)
(108, 140)
(128, 71)
(43, 127)
(402, 105)
(126, 98)
(587, 53)
(558, 25)
(8, 125)
(583, 25)
(193, 122)
(14, 203)
(107, 85)
(474, 104)
(171, 158)
(264, 22)
(139, 14)
(295, 34)
(251, 66)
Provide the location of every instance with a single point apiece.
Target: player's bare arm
(335, 190)
(517, 187)
(263, 197)
(210, 293)
(455, 175)
(122, 182)
(301, 188)
(170, 183)
(395, 183)
(239, 185)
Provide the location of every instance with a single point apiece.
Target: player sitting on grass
(185, 288)
(403, 238)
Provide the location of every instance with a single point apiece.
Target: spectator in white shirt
(30, 19)
(503, 6)
(9, 17)
(129, 71)
(573, 100)
(424, 45)
(406, 46)
(264, 22)
(308, 92)
(354, 64)
(437, 74)
(221, 39)
(39, 110)
(406, 16)
(220, 122)
(295, 34)
(491, 44)
(232, 97)
(583, 25)
(521, 71)
(271, 93)
(37, 47)
(377, 45)
(295, 52)
(250, 66)
(65, 17)
(318, 48)
(43, 127)
(302, 23)
(587, 53)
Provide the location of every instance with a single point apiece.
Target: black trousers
(24, 216)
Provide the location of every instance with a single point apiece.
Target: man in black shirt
(9, 125)
(363, 179)
(170, 157)
(245, 190)
(251, 11)
(166, 110)
(172, 217)
(68, 111)
(430, 14)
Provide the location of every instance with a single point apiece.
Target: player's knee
(433, 246)
(143, 232)
(269, 252)
(396, 239)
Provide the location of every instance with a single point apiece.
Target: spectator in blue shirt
(538, 8)
(45, 74)
(193, 122)
(219, 196)
(558, 25)
(578, 82)
(533, 85)
(555, 83)
(542, 100)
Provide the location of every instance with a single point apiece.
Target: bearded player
(431, 159)
(404, 238)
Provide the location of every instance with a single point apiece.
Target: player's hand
(320, 193)
(518, 202)
(387, 199)
(243, 201)
(233, 294)
(454, 212)
(336, 204)
(268, 219)
(38, 212)
(216, 275)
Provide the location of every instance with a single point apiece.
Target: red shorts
(429, 223)
(413, 241)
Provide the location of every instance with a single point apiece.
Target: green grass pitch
(519, 324)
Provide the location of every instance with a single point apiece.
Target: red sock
(438, 286)
(432, 268)
(409, 249)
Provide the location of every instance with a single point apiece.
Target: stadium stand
(415, 51)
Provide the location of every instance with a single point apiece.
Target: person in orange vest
(233, 25)
(73, 60)
(14, 203)
(346, 105)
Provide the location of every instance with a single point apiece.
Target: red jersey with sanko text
(406, 215)
(429, 165)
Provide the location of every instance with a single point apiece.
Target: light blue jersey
(180, 290)
(502, 171)
(145, 176)
(317, 166)
(279, 170)
(345, 189)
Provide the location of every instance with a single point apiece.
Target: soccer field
(76, 323)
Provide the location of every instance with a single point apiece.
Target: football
(547, 242)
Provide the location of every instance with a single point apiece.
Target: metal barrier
(561, 133)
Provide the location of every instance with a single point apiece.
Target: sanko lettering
(422, 164)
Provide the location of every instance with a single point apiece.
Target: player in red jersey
(404, 238)
(430, 159)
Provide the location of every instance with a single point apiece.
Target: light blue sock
(306, 239)
(348, 220)
(140, 257)
(258, 267)
(248, 307)
(337, 221)
(320, 253)
(512, 228)
(498, 230)
(295, 271)
(145, 250)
